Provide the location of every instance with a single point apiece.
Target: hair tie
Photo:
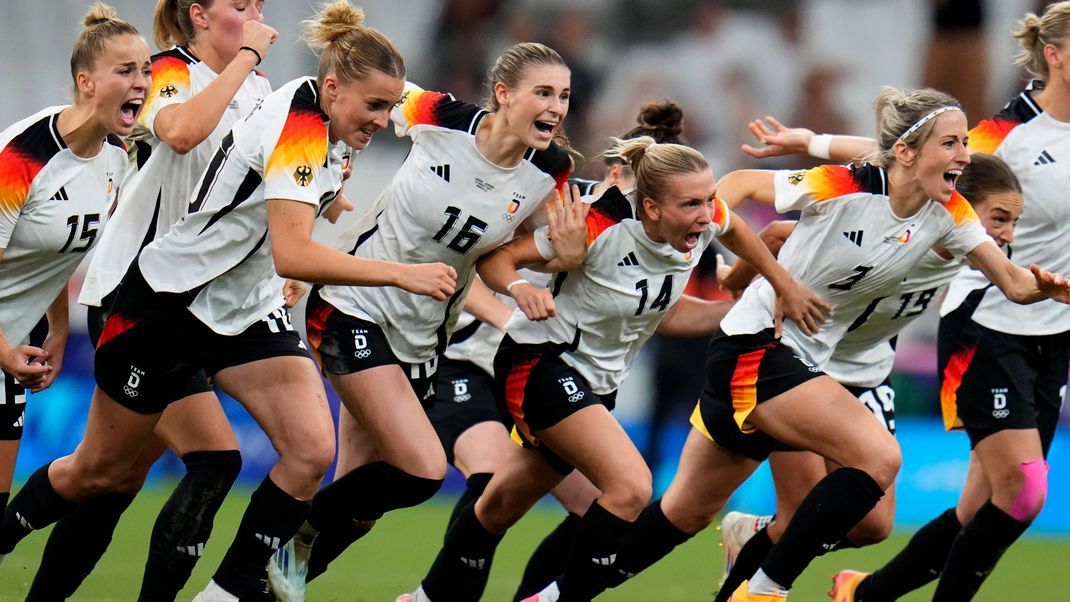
(925, 119)
(259, 58)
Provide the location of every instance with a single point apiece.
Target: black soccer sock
(977, 549)
(832, 507)
(750, 557)
(75, 545)
(184, 524)
(593, 561)
(650, 539)
(3, 501)
(549, 559)
(363, 494)
(35, 506)
(921, 561)
(460, 571)
(270, 520)
(331, 543)
(474, 487)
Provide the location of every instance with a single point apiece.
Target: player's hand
(537, 303)
(567, 218)
(292, 291)
(29, 365)
(436, 280)
(1055, 286)
(777, 140)
(802, 306)
(339, 206)
(258, 36)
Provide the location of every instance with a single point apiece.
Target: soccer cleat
(416, 596)
(736, 530)
(287, 570)
(742, 594)
(214, 593)
(550, 594)
(844, 584)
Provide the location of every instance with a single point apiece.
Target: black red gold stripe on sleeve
(951, 381)
(419, 107)
(986, 136)
(830, 181)
(302, 146)
(170, 77)
(20, 162)
(598, 221)
(960, 209)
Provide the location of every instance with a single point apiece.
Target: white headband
(924, 120)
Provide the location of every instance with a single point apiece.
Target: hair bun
(331, 22)
(99, 13)
(665, 116)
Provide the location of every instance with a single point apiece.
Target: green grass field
(393, 558)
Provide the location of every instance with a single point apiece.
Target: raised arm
(754, 184)
(1017, 283)
(298, 257)
(778, 140)
(183, 126)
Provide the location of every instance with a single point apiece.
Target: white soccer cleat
(736, 530)
(214, 593)
(550, 594)
(287, 570)
(417, 596)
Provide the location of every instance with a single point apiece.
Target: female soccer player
(473, 176)
(761, 391)
(62, 168)
(558, 376)
(862, 362)
(1002, 367)
(203, 82)
(212, 288)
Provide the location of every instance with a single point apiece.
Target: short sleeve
(17, 175)
(966, 233)
(799, 189)
(419, 107)
(292, 170)
(720, 217)
(170, 86)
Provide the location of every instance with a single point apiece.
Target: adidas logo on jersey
(267, 540)
(442, 171)
(1044, 159)
(61, 195)
(629, 260)
(854, 236)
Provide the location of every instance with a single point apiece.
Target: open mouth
(692, 239)
(130, 109)
(546, 127)
(952, 176)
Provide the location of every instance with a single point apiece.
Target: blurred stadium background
(812, 63)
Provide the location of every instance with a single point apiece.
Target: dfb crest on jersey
(796, 177)
(303, 175)
(168, 91)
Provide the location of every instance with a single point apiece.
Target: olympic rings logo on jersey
(571, 389)
(362, 353)
(999, 403)
(129, 392)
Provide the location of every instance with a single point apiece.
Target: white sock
(760, 583)
(216, 593)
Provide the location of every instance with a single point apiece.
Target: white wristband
(819, 146)
(510, 286)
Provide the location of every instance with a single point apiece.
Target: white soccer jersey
(220, 251)
(864, 357)
(449, 204)
(53, 205)
(850, 248)
(1037, 149)
(613, 303)
(158, 193)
